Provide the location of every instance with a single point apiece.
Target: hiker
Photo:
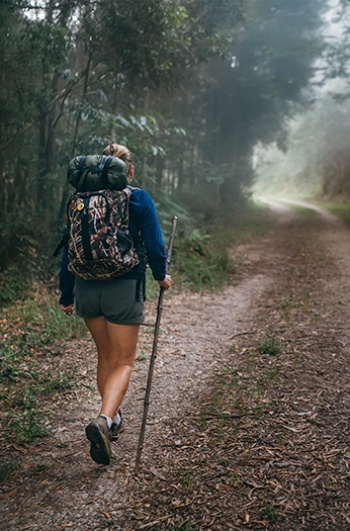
(113, 311)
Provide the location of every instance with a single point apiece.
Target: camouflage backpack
(98, 242)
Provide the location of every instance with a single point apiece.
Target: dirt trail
(292, 284)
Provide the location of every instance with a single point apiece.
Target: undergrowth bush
(200, 263)
(341, 209)
(24, 382)
(28, 327)
(13, 285)
(38, 319)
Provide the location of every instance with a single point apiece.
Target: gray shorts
(120, 301)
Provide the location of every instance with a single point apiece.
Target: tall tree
(249, 93)
(200, 81)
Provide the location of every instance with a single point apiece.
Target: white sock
(109, 421)
(117, 419)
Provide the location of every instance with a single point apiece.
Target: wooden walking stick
(154, 349)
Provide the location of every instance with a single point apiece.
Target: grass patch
(7, 467)
(152, 286)
(28, 427)
(29, 326)
(270, 513)
(187, 480)
(305, 212)
(14, 284)
(269, 345)
(202, 258)
(246, 226)
(25, 382)
(38, 319)
(339, 208)
(141, 356)
(200, 263)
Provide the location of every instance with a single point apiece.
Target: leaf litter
(237, 438)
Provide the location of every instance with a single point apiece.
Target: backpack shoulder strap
(132, 188)
(63, 242)
(129, 190)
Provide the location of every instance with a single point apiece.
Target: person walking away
(113, 311)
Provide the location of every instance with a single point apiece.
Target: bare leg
(116, 348)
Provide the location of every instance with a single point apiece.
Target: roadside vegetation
(340, 209)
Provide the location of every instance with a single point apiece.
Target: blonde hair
(119, 151)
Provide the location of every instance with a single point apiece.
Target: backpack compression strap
(104, 172)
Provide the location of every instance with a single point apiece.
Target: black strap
(81, 172)
(85, 233)
(141, 283)
(59, 247)
(104, 173)
(63, 242)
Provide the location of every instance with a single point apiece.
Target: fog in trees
(314, 159)
(213, 98)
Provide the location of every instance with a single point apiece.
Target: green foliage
(9, 370)
(141, 356)
(31, 323)
(21, 371)
(13, 285)
(174, 80)
(40, 319)
(152, 286)
(25, 380)
(269, 345)
(7, 467)
(147, 53)
(201, 259)
(28, 427)
(200, 263)
(340, 209)
(315, 160)
(245, 225)
(270, 514)
(46, 323)
(187, 480)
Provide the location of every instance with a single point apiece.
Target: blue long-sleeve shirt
(144, 227)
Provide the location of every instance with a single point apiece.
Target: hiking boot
(98, 434)
(117, 429)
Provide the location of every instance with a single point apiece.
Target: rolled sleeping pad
(97, 172)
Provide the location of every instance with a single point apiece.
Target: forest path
(281, 462)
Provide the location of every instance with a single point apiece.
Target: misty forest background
(217, 99)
